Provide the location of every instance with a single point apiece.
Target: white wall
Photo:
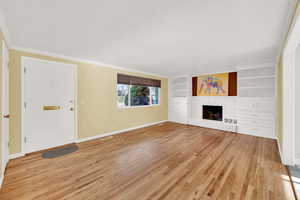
(297, 108)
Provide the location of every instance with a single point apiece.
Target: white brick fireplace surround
(229, 112)
(255, 116)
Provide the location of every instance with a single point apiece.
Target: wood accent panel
(232, 84)
(167, 161)
(136, 80)
(194, 86)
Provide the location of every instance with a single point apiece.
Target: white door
(5, 106)
(49, 104)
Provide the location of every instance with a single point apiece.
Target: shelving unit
(256, 81)
(178, 99)
(255, 103)
(179, 87)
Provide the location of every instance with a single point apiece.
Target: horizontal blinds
(135, 80)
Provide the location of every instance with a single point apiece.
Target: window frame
(129, 99)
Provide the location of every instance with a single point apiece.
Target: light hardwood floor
(168, 161)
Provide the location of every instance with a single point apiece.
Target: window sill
(145, 106)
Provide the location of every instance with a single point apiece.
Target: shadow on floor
(295, 175)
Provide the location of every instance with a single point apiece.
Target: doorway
(49, 104)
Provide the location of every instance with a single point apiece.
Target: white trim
(118, 132)
(279, 149)
(257, 135)
(1, 179)
(16, 155)
(76, 103)
(69, 58)
(297, 162)
(256, 87)
(288, 61)
(143, 106)
(288, 146)
(195, 124)
(256, 77)
(23, 152)
(5, 147)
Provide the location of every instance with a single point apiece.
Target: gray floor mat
(60, 152)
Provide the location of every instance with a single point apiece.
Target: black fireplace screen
(213, 112)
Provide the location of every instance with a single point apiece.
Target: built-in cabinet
(256, 116)
(253, 108)
(256, 100)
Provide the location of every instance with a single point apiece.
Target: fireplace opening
(212, 112)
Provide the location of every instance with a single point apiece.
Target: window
(136, 91)
(123, 91)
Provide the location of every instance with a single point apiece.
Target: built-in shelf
(179, 87)
(257, 81)
(258, 87)
(256, 77)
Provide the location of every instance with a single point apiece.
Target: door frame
(5, 145)
(22, 67)
(289, 81)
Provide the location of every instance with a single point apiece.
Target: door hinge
(25, 139)
(8, 144)
(25, 105)
(25, 70)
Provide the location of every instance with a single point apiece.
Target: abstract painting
(213, 85)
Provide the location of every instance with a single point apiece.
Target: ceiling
(166, 37)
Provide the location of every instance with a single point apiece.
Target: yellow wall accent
(98, 112)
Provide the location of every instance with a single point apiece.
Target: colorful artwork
(213, 85)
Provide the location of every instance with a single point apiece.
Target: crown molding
(79, 60)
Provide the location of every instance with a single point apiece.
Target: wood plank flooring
(168, 161)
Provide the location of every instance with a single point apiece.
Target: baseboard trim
(16, 155)
(260, 136)
(279, 149)
(118, 132)
(297, 162)
(1, 180)
(2, 175)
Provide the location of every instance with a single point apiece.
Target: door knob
(6, 116)
(71, 109)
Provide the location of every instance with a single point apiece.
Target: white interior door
(5, 106)
(49, 104)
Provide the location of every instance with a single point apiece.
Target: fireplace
(212, 112)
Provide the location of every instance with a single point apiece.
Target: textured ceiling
(167, 37)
